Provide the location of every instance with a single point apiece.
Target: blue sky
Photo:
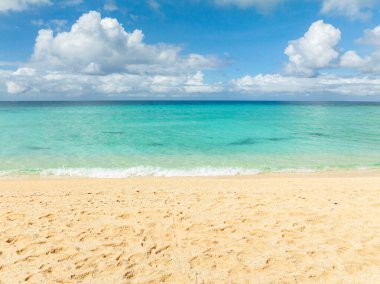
(190, 49)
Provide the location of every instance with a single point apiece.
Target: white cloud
(15, 88)
(20, 5)
(371, 37)
(261, 5)
(25, 71)
(58, 24)
(323, 84)
(369, 63)
(98, 57)
(195, 84)
(154, 5)
(354, 9)
(315, 50)
(66, 85)
(103, 43)
(110, 6)
(351, 59)
(54, 24)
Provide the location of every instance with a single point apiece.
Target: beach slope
(258, 229)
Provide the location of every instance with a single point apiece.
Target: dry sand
(322, 228)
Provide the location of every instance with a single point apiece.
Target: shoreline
(343, 173)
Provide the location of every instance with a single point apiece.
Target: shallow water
(119, 139)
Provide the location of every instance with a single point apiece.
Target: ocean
(123, 139)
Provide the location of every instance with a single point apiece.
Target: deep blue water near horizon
(121, 139)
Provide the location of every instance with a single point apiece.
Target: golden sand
(322, 228)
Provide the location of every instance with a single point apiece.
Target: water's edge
(109, 173)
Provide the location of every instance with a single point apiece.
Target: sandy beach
(300, 228)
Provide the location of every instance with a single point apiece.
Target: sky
(190, 49)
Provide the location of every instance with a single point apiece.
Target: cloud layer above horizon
(97, 56)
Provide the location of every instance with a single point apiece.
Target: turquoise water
(120, 139)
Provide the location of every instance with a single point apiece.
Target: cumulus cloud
(354, 9)
(314, 51)
(261, 5)
(323, 84)
(310, 54)
(351, 59)
(101, 45)
(368, 63)
(371, 37)
(20, 5)
(98, 56)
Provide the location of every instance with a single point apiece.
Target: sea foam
(147, 171)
